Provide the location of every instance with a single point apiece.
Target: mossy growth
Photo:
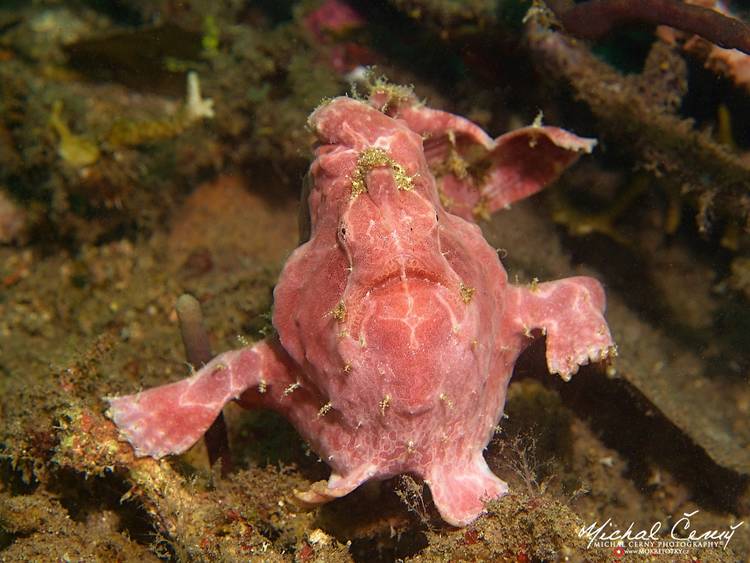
(76, 150)
(517, 527)
(386, 93)
(532, 405)
(374, 157)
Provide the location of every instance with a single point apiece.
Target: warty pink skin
(397, 328)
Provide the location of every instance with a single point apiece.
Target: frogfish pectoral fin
(169, 419)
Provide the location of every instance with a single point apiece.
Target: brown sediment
(88, 292)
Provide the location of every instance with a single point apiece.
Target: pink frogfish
(397, 329)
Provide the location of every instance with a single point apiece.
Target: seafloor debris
(653, 369)
(730, 62)
(104, 107)
(108, 241)
(594, 20)
(133, 132)
(112, 57)
(12, 219)
(709, 174)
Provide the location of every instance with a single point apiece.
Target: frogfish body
(397, 329)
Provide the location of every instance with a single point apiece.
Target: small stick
(596, 18)
(198, 353)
